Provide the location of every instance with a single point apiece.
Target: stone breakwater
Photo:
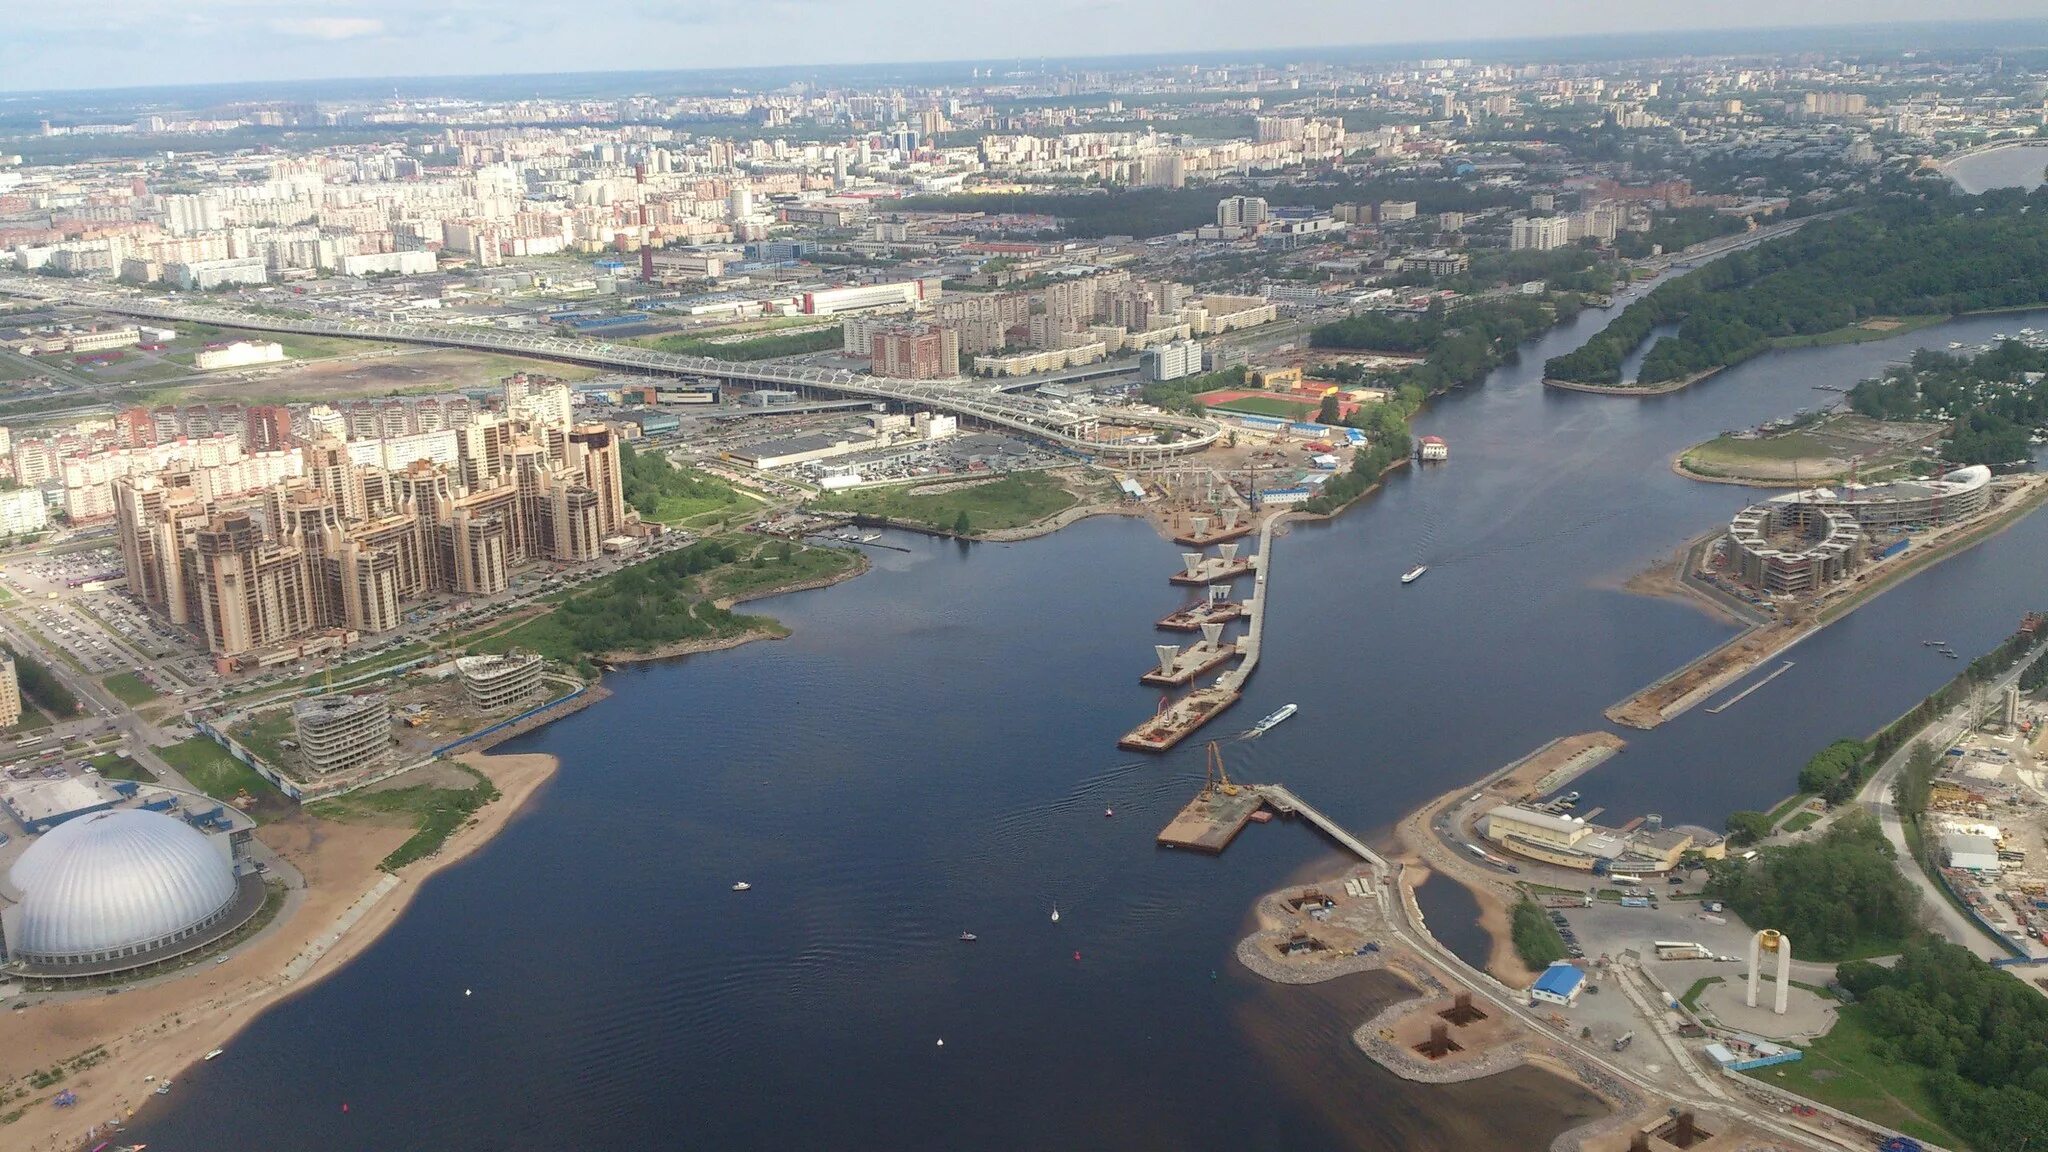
(1352, 923)
(1371, 1038)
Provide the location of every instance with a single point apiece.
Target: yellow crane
(1219, 777)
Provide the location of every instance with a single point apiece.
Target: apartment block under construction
(316, 560)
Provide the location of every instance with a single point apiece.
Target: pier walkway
(1286, 803)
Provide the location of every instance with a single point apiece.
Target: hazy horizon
(145, 44)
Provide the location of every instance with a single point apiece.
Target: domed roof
(116, 880)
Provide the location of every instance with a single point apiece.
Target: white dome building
(118, 890)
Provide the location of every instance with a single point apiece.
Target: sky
(49, 44)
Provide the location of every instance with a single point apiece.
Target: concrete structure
(42, 804)
(1778, 945)
(501, 681)
(239, 354)
(115, 891)
(1171, 361)
(1560, 984)
(204, 275)
(1571, 842)
(341, 733)
(1802, 541)
(1970, 847)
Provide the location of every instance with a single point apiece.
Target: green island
(434, 810)
(1818, 448)
(674, 602)
(1995, 401)
(962, 507)
(1936, 255)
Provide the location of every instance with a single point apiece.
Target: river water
(933, 750)
(2011, 167)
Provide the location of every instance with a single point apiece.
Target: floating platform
(1180, 719)
(1192, 617)
(1212, 820)
(1183, 665)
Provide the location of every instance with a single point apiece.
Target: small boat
(968, 937)
(1950, 655)
(1954, 344)
(742, 886)
(1934, 643)
(1273, 721)
(870, 537)
(164, 1089)
(1414, 574)
(212, 1054)
(1055, 914)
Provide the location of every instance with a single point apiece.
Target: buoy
(1077, 956)
(465, 991)
(1109, 811)
(344, 1106)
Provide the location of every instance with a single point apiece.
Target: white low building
(239, 354)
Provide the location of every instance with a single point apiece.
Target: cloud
(328, 27)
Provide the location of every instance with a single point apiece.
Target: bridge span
(1072, 428)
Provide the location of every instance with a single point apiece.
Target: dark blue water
(933, 750)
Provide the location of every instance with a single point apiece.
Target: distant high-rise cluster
(258, 552)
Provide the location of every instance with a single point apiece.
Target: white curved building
(119, 890)
(1802, 541)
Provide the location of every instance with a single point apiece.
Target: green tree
(962, 524)
(1748, 827)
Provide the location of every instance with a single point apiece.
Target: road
(1953, 925)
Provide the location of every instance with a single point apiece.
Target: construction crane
(1219, 777)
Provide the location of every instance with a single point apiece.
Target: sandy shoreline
(161, 1028)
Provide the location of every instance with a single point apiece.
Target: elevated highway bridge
(1074, 428)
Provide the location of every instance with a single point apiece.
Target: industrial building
(117, 891)
(1571, 842)
(39, 805)
(501, 681)
(1560, 984)
(341, 733)
(237, 354)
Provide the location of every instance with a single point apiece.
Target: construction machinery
(1219, 777)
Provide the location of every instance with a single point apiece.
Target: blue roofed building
(1560, 983)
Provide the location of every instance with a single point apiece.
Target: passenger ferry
(1273, 721)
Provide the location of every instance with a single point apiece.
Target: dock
(1177, 721)
(1178, 666)
(1732, 701)
(1204, 530)
(1211, 820)
(1216, 608)
(1219, 569)
(1287, 803)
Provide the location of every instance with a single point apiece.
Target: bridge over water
(1074, 428)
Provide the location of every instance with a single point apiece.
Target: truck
(1624, 1040)
(1635, 901)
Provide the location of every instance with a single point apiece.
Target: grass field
(130, 688)
(264, 736)
(1875, 328)
(1014, 500)
(433, 812)
(115, 767)
(211, 770)
(1691, 999)
(1802, 822)
(1842, 1071)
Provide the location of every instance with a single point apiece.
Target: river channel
(933, 750)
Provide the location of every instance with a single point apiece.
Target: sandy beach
(159, 1028)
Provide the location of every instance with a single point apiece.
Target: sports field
(1259, 403)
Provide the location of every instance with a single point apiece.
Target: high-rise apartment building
(917, 352)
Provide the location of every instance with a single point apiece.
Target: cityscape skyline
(236, 42)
